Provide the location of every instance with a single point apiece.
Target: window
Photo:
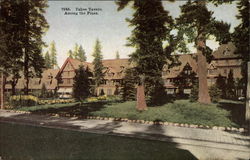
(225, 71)
(109, 92)
(68, 81)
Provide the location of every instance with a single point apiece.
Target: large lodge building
(224, 60)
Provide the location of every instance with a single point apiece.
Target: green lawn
(19, 142)
(181, 111)
(225, 113)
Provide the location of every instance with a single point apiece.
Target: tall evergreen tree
(70, 54)
(11, 41)
(53, 54)
(98, 74)
(196, 24)
(34, 26)
(152, 25)
(75, 51)
(117, 55)
(81, 54)
(221, 84)
(47, 59)
(185, 79)
(128, 90)
(230, 85)
(28, 25)
(81, 86)
(241, 38)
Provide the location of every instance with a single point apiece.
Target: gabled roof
(113, 67)
(74, 63)
(48, 78)
(184, 59)
(225, 51)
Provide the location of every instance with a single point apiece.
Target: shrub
(194, 93)
(55, 101)
(215, 93)
(23, 100)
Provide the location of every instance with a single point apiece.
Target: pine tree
(230, 86)
(47, 60)
(81, 54)
(81, 86)
(53, 55)
(11, 41)
(241, 38)
(152, 25)
(195, 24)
(117, 55)
(70, 54)
(221, 84)
(185, 79)
(98, 74)
(75, 51)
(33, 25)
(128, 90)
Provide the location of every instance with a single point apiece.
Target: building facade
(61, 79)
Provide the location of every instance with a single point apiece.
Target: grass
(19, 142)
(181, 111)
(225, 113)
(47, 106)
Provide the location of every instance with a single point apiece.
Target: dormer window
(226, 51)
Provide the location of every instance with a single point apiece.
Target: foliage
(195, 25)
(70, 54)
(55, 101)
(98, 74)
(194, 92)
(11, 37)
(53, 54)
(181, 111)
(75, 51)
(81, 54)
(152, 25)
(102, 92)
(81, 86)
(230, 85)
(116, 90)
(241, 38)
(47, 59)
(128, 90)
(185, 79)
(117, 55)
(23, 100)
(103, 98)
(221, 84)
(215, 93)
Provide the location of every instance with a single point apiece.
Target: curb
(232, 129)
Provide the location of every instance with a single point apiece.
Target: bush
(23, 100)
(215, 93)
(194, 93)
(55, 101)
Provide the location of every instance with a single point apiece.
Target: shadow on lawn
(79, 110)
(237, 111)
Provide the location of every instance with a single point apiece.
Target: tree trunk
(13, 86)
(248, 98)
(141, 102)
(3, 82)
(202, 74)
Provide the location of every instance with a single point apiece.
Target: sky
(100, 19)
